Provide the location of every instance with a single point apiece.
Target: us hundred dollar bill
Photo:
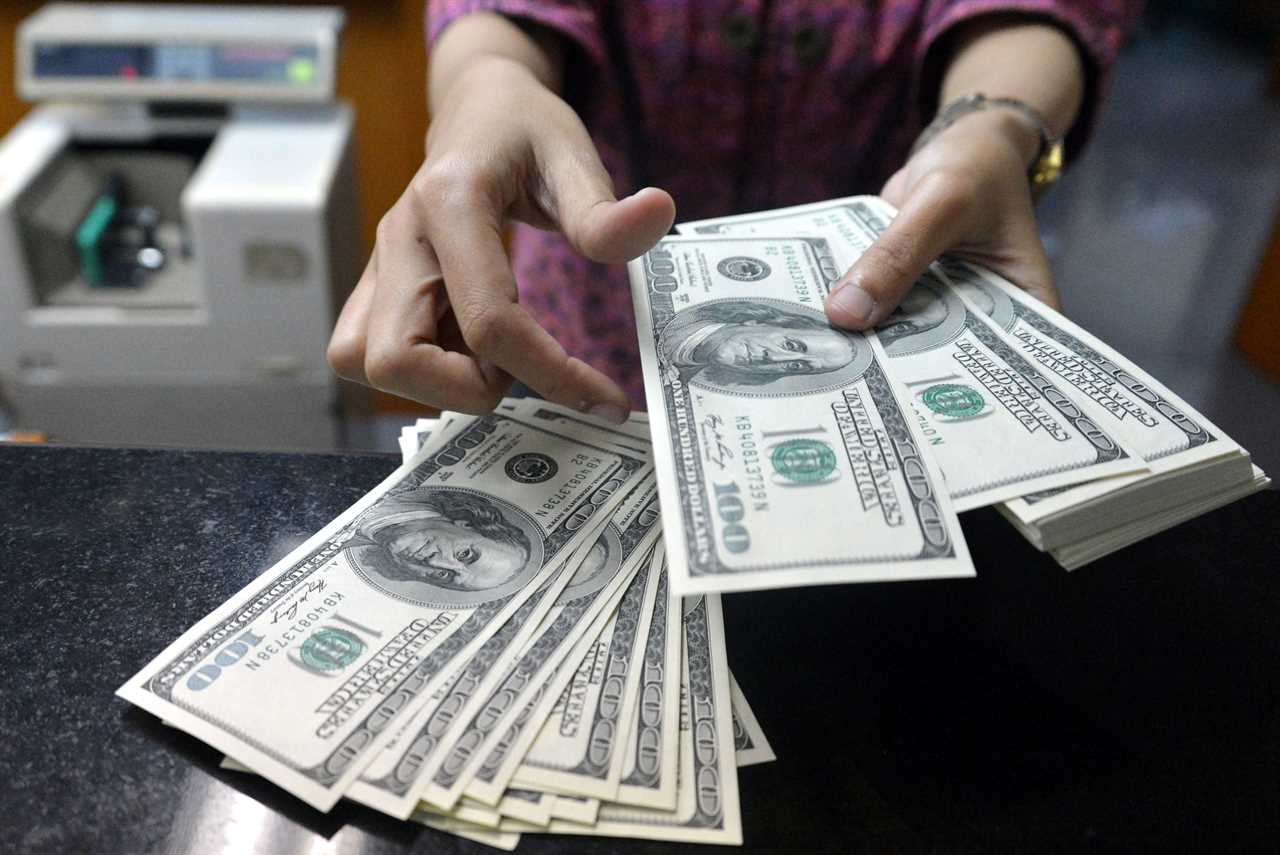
(999, 425)
(748, 737)
(649, 764)
(384, 783)
(500, 739)
(415, 437)
(581, 746)
(783, 451)
(388, 782)
(304, 674)
(648, 757)
(504, 840)
(526, 806)
(530, 806)
(616, 557)
(632, 435)
(1164, 429)
(1140, 411)
(650, 761)
(480, 815)
(707, 808)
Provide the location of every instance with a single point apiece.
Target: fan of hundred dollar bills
(520, 630)
(487, 643)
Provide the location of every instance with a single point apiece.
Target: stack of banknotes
(972, 393)
(487, 643)
(520, 631)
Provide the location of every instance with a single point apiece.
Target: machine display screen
(230, 62)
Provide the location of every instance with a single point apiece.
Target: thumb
(600, 226)
(614, 232)
(926, 227)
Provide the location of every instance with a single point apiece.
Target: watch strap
(1045, 168)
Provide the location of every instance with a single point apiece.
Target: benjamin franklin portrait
(446, 546)
(761, 347)
(598, 566)
(930, 315)
(987, 297)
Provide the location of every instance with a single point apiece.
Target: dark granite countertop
(1130, 706)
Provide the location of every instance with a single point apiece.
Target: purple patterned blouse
(739, 106)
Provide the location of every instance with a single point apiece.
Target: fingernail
(609, 413)
(854, 302)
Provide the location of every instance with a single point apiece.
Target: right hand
(436, 317)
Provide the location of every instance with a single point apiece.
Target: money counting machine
(178, 226)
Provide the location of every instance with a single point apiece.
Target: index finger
(468, 242)
(404, 353)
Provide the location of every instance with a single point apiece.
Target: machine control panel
(179, 53)
(283, 63)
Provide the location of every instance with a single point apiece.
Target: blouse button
(739, 32)
(809, 44)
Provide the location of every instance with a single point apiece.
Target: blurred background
(1165, 234)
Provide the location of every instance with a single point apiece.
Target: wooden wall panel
(11, 14)
(383, 73)
(1258, 334)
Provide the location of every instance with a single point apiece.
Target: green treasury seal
(331, 650)
(803, 461)
(953, 400)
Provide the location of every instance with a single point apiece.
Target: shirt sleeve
(576, 20)
(1098, 27)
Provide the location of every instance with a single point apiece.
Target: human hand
(436, 317)
(965, 193)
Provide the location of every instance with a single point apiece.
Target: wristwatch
(1046, 167)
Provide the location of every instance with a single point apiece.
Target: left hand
(965, 193)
